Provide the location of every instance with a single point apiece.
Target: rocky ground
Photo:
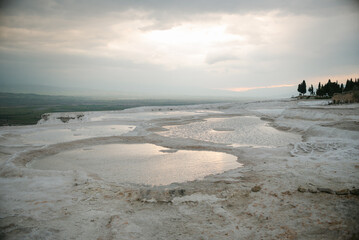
(301, 190)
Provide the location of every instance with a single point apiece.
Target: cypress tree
(311, 89)
(304, 87)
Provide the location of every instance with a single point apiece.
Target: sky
(176, 48)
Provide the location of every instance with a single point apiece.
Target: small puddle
(139, 163)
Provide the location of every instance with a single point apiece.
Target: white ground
(304, 144)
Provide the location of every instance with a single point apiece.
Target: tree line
(329, 88)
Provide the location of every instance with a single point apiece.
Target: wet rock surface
(65, 119)
(325, 190)
(342, 192)
(256, 188)
(38, 204)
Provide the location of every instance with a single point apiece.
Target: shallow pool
(43, 135)
(139, 163)
(248, 131)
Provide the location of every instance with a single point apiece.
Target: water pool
(139, 163)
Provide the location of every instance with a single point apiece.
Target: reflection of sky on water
(57, 134)
(238, 131)
(156, 113)
(139, 163)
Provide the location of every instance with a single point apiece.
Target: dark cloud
(95, 7)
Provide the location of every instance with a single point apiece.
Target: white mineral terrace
(283, 169)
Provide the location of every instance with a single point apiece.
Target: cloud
(94, 8)
(157, 44)
(212, 59)
(259, 87)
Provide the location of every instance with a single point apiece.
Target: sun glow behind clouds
(193, 34)
(188, 44)
(209, 40)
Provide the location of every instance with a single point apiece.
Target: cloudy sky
(179, 48)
